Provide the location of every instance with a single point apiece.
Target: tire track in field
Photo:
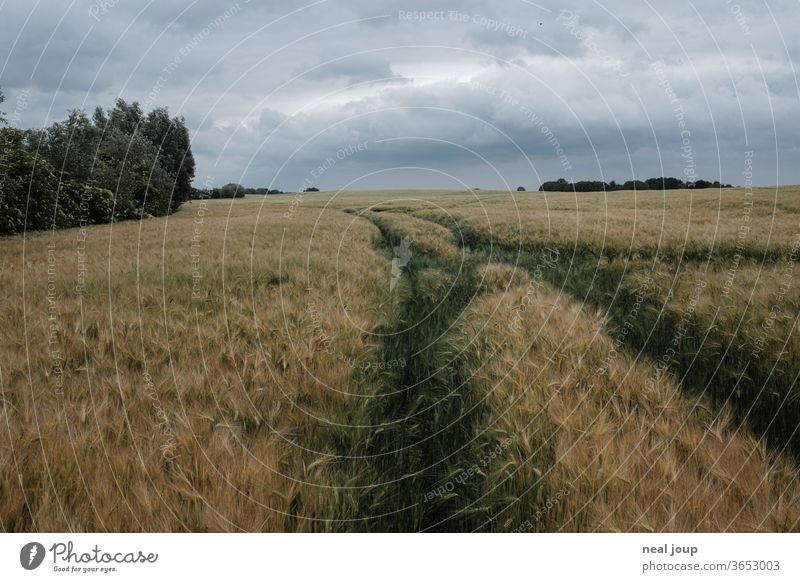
(427, 412)
(714, 368)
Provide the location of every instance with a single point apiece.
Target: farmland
(408, 361)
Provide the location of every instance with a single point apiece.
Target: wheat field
(408, 361)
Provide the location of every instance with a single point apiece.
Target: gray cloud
(272, 90)
(352, 69)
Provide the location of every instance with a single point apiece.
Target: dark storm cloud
(352, 69)
(614, 88)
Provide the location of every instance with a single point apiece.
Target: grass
(674, 224)
(408, 361)
(614, 445)
(220, 409)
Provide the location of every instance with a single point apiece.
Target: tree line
(561, 185)
(231, 190)
(116, 165)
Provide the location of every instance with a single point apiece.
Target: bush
(85, 203)
(28, 186)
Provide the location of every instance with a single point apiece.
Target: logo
(31, 555)
(402, 255)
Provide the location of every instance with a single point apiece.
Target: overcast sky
(370, 94)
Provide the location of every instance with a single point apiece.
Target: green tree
(85, 204)
(635, 185)
(559, 185)
(126, 117)
(70, 146)
(29, 188)
(127, 164)
(174, 151)
(232, 190)
(665, 183)
(118, 164)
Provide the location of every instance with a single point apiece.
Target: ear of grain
(196, 372)
(618, 445)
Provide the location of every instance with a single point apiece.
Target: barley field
(408, 361)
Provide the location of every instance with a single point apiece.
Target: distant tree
(232, 190)
(589, 186)
(559, 185)
(635, 185)
(2, 115)
(312, 189)
(665, 183)
(257, 191)
(521, 189)
(261, 191)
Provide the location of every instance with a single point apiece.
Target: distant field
(408, 361)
